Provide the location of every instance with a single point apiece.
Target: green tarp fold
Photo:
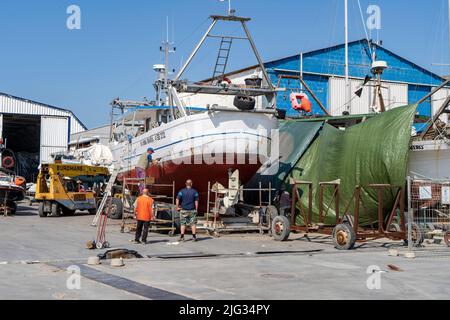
(294, 140)
(373, 152)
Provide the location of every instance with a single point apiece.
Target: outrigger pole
(183, 86)
(217, 18)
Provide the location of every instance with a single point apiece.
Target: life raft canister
(300, 102)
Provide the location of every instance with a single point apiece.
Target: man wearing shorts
(187, 204)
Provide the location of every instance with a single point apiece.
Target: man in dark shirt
(187, 204)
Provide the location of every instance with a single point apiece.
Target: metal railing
(428, 221)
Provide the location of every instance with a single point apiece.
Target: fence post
(410, 216)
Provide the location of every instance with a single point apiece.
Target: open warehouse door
(21, 134)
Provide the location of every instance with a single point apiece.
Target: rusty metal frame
(362, 234)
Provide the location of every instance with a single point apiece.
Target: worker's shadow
(157, 241)
(199, 239)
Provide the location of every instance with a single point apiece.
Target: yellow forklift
(63, 189)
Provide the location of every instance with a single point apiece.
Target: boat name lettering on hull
(419, 147)
(156, 137)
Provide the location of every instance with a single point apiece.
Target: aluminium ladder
(106, 195)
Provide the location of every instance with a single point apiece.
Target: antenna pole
(347, 80)
(449, 24)
(301, 69)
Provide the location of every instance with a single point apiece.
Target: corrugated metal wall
(12, 105)
(54, 136)
(437, 100)
(394, 95)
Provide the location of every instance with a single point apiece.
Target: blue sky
(112, 55)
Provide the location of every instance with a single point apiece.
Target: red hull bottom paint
(200, 174)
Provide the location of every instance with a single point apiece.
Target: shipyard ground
(35, 252)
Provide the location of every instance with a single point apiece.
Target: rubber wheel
(41, 211)
(56, 210)
(244, 103)
(92, 212)
(394, 227)
(99, 245)
(447, 238)
(417, 235)
(176, 221)
(281, 228)
(344, 237)
(116, 209)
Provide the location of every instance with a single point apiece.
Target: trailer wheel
(394, 227)
(344, 237)
(56, 210)
(116, 209)
(418, 236)
(42, 212)
(92, 212)
(447, 238)
(281, 228)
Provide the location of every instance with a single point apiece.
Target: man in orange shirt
(144, 214)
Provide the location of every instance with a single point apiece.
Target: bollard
(93, 261)
(393, 253)
(117, 263)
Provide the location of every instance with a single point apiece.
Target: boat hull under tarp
(373, 152)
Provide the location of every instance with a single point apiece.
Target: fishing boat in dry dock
(199, 143)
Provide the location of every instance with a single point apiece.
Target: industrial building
(34, 131)
(87, 138)
(323, 70)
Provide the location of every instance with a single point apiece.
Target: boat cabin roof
(142, 113)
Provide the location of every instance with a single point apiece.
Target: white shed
(35, 130)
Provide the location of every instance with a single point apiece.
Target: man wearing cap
(144, 162)
(187, 204)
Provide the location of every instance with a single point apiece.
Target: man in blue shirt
(187, 204)
(144, 162)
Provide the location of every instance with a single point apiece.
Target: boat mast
(348, 88)
(168, 48)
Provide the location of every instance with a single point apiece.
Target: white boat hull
(430, 159)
